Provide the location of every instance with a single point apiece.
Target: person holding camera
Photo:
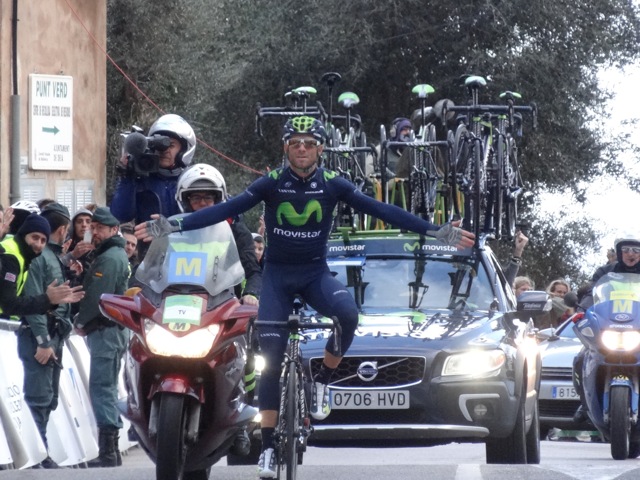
(150, 169)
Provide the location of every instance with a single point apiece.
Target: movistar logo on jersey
(296, 219)
(275, 174)
(328, 174)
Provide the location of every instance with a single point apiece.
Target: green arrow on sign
(53, 130)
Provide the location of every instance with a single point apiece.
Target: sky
(610, 205)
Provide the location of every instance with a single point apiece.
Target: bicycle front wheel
(292, 422)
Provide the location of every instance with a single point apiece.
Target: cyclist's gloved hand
(158, 227)
(452, 234)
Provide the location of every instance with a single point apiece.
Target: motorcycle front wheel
(171, 440)
(619, 423)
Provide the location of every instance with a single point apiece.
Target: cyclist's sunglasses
(306, 142)
(630, 249)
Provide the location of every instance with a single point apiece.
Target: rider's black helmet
(304, 125)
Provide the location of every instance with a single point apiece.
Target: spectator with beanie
(41, 335)
(108, 273)
(17, 254)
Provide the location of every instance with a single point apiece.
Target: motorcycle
(185, 361)
(610, 332)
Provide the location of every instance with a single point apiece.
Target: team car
(443, 352)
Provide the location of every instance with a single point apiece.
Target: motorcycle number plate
(564, 393)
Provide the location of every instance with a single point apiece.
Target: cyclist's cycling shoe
(267, 464)
(320, 401)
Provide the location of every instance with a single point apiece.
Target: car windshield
(419, 283)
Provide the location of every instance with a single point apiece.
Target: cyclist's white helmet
(28, 205)
(175, 126)
(198, 178)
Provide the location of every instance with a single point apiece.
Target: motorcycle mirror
(531, 304)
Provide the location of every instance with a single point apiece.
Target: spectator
(611, 256)
(131, 249)
(43, 202)
(17, 254)
(108, 273)
(41, 335)
(522, 284)
(21, 211)
(6, 217)
(511, 271)
(258, 243)
(559, 310)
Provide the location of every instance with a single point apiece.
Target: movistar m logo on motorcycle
(187, 267)
(296, 219)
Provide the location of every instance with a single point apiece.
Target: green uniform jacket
(109, 273)
(43, 270)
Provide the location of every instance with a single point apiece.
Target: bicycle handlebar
(293, 324)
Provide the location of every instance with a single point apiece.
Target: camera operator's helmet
(627, 240)
(176, 127)
(198, 178)
(304, 125)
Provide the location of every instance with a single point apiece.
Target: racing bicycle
(294, 427)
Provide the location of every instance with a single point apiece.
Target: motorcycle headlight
(621, 341)
(196, 344)
(475, 363)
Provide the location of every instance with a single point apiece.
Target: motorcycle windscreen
(616, 296)
(207, 258)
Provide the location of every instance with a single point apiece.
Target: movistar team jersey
(299, 213)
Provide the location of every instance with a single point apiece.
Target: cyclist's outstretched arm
(449, 234)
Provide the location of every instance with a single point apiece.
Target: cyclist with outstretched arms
(299, 204)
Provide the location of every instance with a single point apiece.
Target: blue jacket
(138, 198)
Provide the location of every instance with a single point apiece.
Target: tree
(213, 60)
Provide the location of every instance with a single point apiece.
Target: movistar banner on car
(398, 244)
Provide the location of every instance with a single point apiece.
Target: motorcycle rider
(201, 186)
(628, 261)
(136, 198)
(300, 200)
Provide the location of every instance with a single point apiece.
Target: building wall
(52, 40)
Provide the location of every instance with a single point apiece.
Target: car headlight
(475, 363)
(196, 344)
(621, 341)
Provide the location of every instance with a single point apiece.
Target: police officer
(41, 335)
(109, 273)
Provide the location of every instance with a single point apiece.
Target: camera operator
(150, 169)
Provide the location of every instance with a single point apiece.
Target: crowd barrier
(71, 432)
